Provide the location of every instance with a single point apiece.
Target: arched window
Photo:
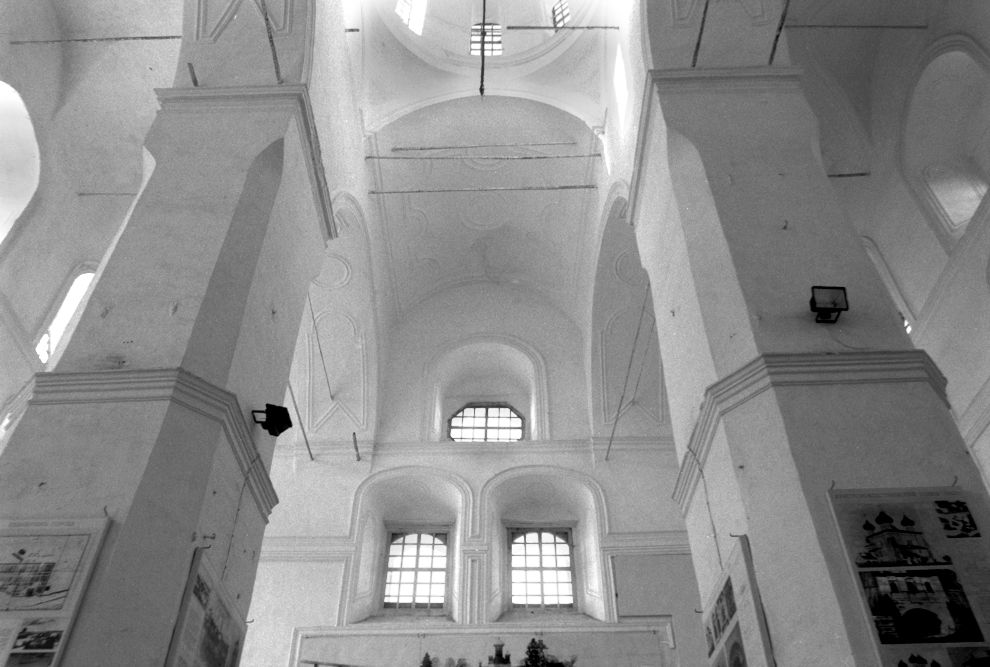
(416, 572)
(486, 422)
(20, 162)
(70, 303)
(542, 568)
(945, 154)
(412, 13)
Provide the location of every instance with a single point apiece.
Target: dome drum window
(486, 423)
(561, 12)
(489, 34)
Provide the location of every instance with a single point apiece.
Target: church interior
(530, 279)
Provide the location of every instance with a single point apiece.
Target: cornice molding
(659, 543)
(301, 549)
(293, 97)
(661, 625)
(167, 384)
(806, 369)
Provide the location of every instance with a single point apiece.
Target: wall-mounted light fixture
(275, 419)
(828, 302)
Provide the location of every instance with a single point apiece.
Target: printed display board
(735, 627)
(208, 632)
(920, 559)
(45, 565)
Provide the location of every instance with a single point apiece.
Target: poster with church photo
(208, 632)
(922, 564)
(734, 625)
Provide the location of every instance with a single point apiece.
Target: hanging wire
(708, 505)
(319, 346)
(625, 382)
(302, 428)
(642, 363)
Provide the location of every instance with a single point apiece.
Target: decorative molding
(419, 448)
(482, 515)
(659, 443)
(171, 384)
(779, 370)
(301, 549)
(210, 30)
(337, 269)
(432, 475)
(356, 413)
(286, 97)
(659, 543)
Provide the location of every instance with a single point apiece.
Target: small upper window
(486, 423)
(561, 14)
(416, 574)
(53, 334)
(542, 569)
(412, 13)
(492, 39)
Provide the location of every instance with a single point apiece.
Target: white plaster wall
(479, 310)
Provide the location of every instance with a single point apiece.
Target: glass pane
(549, 561)
(518, 576)
(518, 561)
(532, 561)
(532, 575)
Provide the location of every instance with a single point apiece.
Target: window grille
(492, 39)
(416, 572)
(542, 568)
(486, 423)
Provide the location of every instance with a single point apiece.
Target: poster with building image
(208, 632)
(734, 624)
(922, 565)
(45, 566)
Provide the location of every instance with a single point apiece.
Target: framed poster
(45, 565)
(208, 631)
(920, 559)
(735, 626)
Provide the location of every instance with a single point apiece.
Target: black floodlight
(828, 302)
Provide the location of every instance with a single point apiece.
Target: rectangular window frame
(418, 609)
(569, 529)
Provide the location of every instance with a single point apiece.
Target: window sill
(401, 616)
(560, 615)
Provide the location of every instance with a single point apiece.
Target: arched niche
(20, 159)
(625, 356)
(399, 499)
(547, 497)
(489, 369)
(945, 153)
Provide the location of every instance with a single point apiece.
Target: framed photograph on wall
(45, 566)
(735, 627)
(208, 632)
